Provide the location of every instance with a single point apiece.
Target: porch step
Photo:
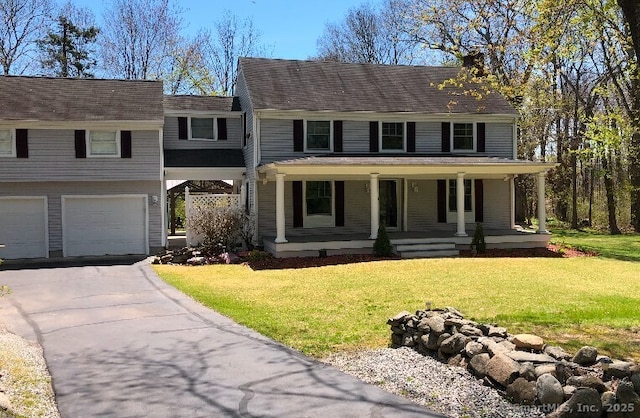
(427, 249)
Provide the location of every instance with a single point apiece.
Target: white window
(318, 204)
(452, 201)
(7, 143)
(463, 137)
(392, 136)
(202, 128)
(319, 135)
(103, 143)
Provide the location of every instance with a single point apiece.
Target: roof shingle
(344, 87)
(79, 99)
(202, 103)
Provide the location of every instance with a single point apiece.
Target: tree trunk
(631, 12)
(574, 191)
(609, 188)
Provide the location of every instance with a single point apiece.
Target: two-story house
(336, 149)
(325, 152)
(80, 167)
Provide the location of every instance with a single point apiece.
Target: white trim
(305, 137)
(204, 173)
(404, 137)
(12, 138)
(228, 114)
(45, 201)
(64, 222)
(469, 217)
(391, 116)
(87, 138)
(318, 221)
(474, 139)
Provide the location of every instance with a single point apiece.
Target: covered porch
(421, 185)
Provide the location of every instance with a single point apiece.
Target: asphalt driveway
(119, 342)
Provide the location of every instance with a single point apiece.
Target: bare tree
(367, 35)
(139, 38)
(22, 22)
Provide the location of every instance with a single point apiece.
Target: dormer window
(7, 143)
(392, 136)
(203, 128)
(463, 137)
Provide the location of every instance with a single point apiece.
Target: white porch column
(460, 205)
(280, 219)
(375, 205)
(542, 210)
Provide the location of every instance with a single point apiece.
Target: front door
(389, 197)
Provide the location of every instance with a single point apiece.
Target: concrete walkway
(120, 342)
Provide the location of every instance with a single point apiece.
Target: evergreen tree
(67, 51)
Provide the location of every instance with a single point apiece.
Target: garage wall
(54, 190)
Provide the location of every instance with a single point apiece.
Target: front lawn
(620, 247)
(572, 301)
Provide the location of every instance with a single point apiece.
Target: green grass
(620, 247)
(574, 301)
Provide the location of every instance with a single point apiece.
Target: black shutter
(480, 132)
(22, 143)
(125, 144)
(373, 136)
(479, 198)
(339, 189)
(411, 137)
(297, 203)
(337, 136)
(81, 144)
(222, 129)
(298, 135)
(183, 129)
(442, 201)
(446, 137)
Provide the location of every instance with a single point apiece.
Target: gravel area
(25, 383)
(449, 390)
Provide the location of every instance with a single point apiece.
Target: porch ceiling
(415, 166)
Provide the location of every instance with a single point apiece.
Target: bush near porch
(321, 310)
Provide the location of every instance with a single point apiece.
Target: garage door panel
(23, 227)
(105, 225)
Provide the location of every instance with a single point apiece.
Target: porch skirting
(320, 245)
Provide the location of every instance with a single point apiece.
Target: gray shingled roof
(203, 158)
(202, 103)
(69, 99)
(331, 86)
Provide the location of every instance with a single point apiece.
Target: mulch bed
(552, 251)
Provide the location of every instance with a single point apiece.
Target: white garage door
(23, 227)
(104, 225)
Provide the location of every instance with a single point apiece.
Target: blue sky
(290, 28)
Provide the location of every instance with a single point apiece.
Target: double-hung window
(103, 143)
(392, 136)
(7, 143)
(318, 199)
(463, 137)
(318, 135)
(452, 201)
(202, 128)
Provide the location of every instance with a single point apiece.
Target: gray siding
(499, 140)
(357, 216)
(276, 139)
(497, 205)
(248, 150)
(54, 190)
(52, 157)
(171, 140)
(422, 207)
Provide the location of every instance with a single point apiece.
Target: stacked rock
(522, 367)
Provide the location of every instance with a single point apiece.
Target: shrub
(382, 246)
(478, 243)
(257, 255)
(219, 226)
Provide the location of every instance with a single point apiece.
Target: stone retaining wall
(522, 367)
